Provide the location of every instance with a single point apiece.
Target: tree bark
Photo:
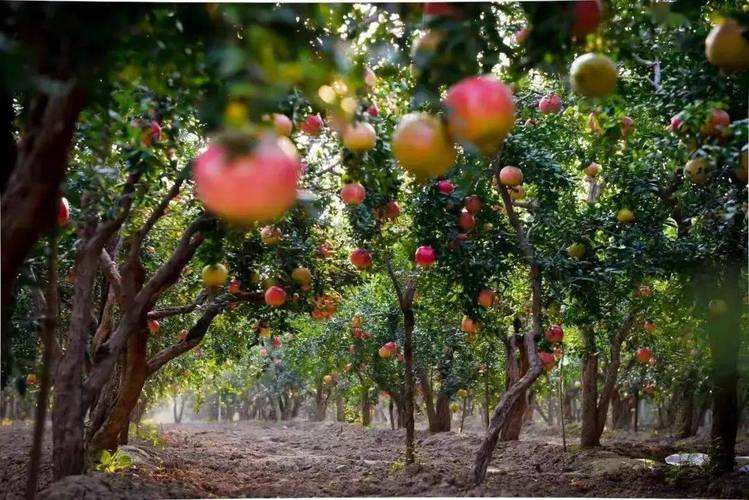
(443, 417)
(724, 337)
(511, 395)
(366, 408)
(516, 368)
(426, 393)
(49, 354)
(589, 435)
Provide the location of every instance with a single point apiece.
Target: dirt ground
(253, 459)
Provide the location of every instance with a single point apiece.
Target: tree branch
(109, 267)
(394, 279)
(160, 209)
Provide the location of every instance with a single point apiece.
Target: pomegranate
(282, 124)
(445, 187)
(550, 104)
(425, 256)
(353, 193)
(63, 212)
(472, 203)
(466, 220)
(486, 297)
(361, 258)
(644, 354)
(511, 176)
(421, 146)
(153, 326)
(214, 275)
(554, 334)
(359, 137)
(255, 187)
(587, 17)
(275, 296)
(312, 125)
(480, 112)
(593, 75)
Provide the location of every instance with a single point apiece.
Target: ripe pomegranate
(521, 35)
(486, 297)
(592, 170)
(442, 9)
(466, 220)
(625, 216)
(282, 124)
(263, 352)
(312, 125)
(421, 146)
(425, 256)
(234, 286)
(649, 390)
(676, 122)
(627, 126)
(550, 104)
(353, 193)
(445, 187)
(275, 341)
(357, 320)
(275, 296)
(270, 235)
(31, 379)
(361, 258)
(644, 354)
(593, 75)
(370, 79)
(715, 123)
(155, 130)
(255, 187)
(511, 176)
(649, 326)
(554, 334)
(384, 353)
(63, 212)
(153, 326)
(214, 275)
(547, 359)
(472, 203)
(480, 112)
(392, 210)
(587, 17)
(726, 46)
(391, 346)
(359, 137)
(301, 275)
(644, 291)
(469, 325)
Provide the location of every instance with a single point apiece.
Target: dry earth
(253, 459)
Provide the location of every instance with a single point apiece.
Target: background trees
(628, 228)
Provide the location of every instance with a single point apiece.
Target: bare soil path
(252, 459)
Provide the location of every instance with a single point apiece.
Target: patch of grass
(113, 462)
(147, 432)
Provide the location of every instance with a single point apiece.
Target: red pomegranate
(255, 187)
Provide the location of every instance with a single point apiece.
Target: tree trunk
(724, 336)
(684, 408)
(589, 435)
(515, 370)
(49, 312)
(68, 409)
(408, 328)
(366, 408)
(426, 392)
(340, 409)
(443, 418)
(487, 397)
(135, 374)
(321, 401)
(390, 413)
